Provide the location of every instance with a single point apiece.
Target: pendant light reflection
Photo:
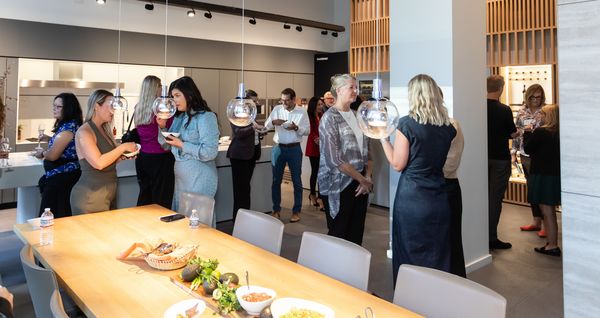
(164, 107)
(377, 117)
(241, 111)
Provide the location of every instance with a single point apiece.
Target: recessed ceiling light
(100, 1)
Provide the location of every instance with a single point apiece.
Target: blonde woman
(154, 164)
(345, 169)
(422, 215)
(98, 155)
(543, 184)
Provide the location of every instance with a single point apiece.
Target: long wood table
(83, 258)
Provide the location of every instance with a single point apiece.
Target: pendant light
(119, 102)
(241, 111)
(377, 117)
(163, 106)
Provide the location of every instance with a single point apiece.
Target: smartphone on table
(172, 217)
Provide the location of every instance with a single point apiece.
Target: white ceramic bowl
(131, 154)
(254, 308)
(169, 133)
(283, 306)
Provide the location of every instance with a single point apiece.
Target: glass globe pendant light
(163, 106)
(118, 101)
(377, 117)
(241, 111)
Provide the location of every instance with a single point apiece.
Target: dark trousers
(349, 223)
(241, 175)
(56, 193)
(535, 208)
(156, 178)
(457, 257)
(314, 172)
(498, 175)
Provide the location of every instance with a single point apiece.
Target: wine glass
(41, 129)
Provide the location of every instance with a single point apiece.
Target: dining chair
(433, 293)
(205, 206)
(336, 258)
(259, 229)
(56, 305)
(40, 281)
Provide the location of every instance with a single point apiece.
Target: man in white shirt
(291, 123)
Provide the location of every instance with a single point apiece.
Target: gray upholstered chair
(41, 283)
(336, 258)
(434, 293)
(205, 206)
(259, 229)
(56, 305)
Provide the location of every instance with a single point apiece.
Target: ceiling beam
(215, 8)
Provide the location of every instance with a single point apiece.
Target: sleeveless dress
(422, 215)
(96, 190)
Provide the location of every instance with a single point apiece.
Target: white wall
(220, 28)
(452, 51)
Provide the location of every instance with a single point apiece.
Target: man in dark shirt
(501, 127)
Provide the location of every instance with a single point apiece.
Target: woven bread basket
(173, 263)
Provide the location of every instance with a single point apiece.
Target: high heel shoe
(313, 199)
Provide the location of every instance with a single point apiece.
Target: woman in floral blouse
(60, 159)
(528, 119)
(345, 169)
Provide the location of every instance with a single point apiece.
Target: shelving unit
(363, 48)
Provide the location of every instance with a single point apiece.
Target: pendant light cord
(119, 50)
(243, 18)
(166, 33)
(377, 38)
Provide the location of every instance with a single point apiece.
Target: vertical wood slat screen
(363, 49)
(521, 32)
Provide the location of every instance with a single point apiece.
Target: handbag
(131, 135)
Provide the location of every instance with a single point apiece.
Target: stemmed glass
(41, 130)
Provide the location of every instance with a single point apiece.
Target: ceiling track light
(101, 1)
(287, 26)
(208, 15)
(299, 28)
(252, 21)
(149, 6)
(334, 34)
(191, 13)
(324, 32)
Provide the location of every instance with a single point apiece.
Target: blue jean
(280, 156)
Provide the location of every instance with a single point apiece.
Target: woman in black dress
(421, 216)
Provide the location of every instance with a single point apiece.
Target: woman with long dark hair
(315, 111)
(197, 146)
(154, 164)
(61, 164)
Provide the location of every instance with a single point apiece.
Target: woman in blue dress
(196, 147)
(61, 164)
(422, 215)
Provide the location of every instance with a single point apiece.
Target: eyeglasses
(535, 97)
(57, 107)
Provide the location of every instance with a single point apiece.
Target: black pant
(241, 176)
(349, 223)
(457, 257)
(156, 178)
(535, 208)
(314, 172)
(56, 193)
(498, 175)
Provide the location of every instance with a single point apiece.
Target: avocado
(190, 272)
(232, 277)
(209, 286)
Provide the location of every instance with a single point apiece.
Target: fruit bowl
(251, 298)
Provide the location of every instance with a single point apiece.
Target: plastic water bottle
(47, 229)
(194, 219)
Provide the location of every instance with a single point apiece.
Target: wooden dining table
(83, 257)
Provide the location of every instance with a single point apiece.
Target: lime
(216, 274)
(217, 294)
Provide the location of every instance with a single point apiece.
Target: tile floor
(532, 283)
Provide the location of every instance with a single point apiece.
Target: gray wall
(61, 42)
(578, 52)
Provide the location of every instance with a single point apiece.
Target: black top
(543, 146)
(5, 310)
(500, 127)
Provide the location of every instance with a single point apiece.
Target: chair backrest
(40, 281)
(205, 206)
(336, 258)
(434, 293)
(56, 305)
(259, 229)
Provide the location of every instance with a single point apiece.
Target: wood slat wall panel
(363, 26)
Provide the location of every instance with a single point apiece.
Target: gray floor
(532, 283)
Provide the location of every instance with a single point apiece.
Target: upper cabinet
(363, 40)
